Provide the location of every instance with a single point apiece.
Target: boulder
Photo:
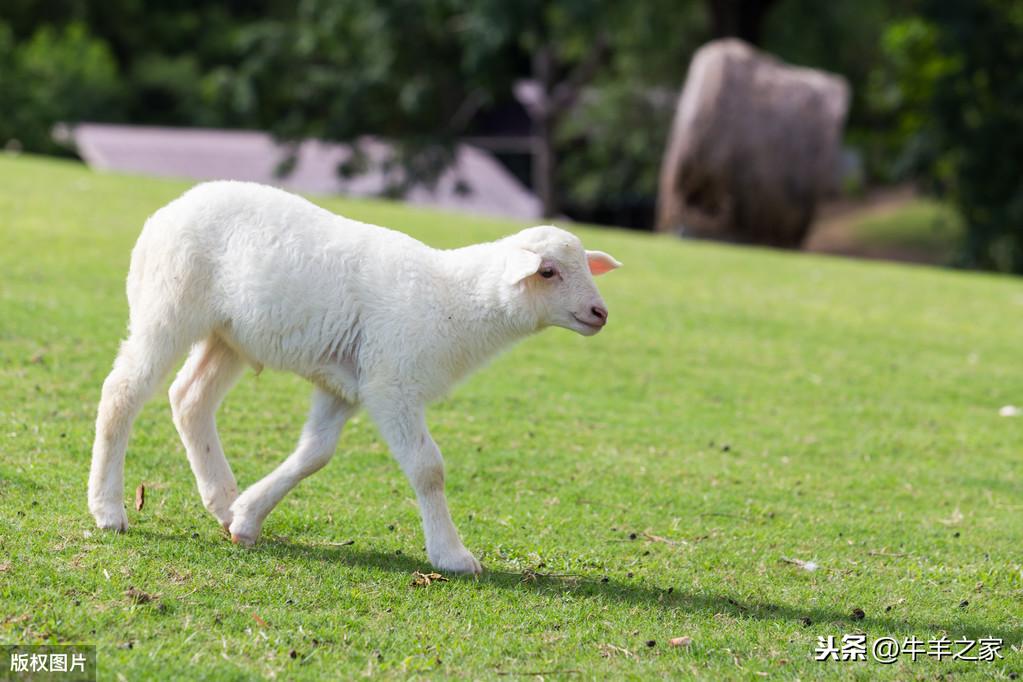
(754, 145)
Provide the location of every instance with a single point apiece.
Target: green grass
(923, 227)
(749, 406)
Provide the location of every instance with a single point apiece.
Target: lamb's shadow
(839, 620)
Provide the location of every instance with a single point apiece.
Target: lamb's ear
(520, 265)
(601, 262)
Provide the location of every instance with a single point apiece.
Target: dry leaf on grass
(140, 497)
(954, 519)
(805, 565)
(4, 567)
(657, 538)
(681, 641)
(260, 621)
(424, 579)
(610, 651)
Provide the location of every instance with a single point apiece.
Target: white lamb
(248, 274)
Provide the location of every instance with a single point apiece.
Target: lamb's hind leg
(210, 371)
(143, 360)
(327, 417)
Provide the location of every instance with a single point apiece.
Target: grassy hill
(745, 410)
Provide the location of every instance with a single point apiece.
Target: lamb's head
(553, 274)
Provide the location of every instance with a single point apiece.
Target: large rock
(754, 145)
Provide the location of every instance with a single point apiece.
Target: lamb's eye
(548, 272)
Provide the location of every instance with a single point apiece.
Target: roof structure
(475, 183)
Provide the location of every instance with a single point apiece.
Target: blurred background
(876, 128)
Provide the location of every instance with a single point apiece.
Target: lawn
(921, 225)
(745, 410)
(894, 225)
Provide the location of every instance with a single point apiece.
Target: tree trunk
(739, 18)
(544, 166)
(544, 159)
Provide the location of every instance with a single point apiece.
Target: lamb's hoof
(242, 540)
(458, 562)
(220, 507)
(243, 534)
(225, 520)
(112, 518)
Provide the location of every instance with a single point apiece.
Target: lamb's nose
(599, 312)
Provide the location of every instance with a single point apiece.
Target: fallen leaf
(424, 579)
(137, 596)
(953, 520)
(657, 538)
(1010, 411)
(4, 567)
(260, 621)
(805, 565)
(680, 641)
(610, 651)
(140, 497)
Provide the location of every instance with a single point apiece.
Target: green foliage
(341, 70)
(56, 75)
(934, 84)
(843, 37)
(955, 79)
(416, 73)
(614, 140)
(617, 135)
(747, 406)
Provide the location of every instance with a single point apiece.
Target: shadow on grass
(839, 621)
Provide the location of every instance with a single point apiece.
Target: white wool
(248, 274)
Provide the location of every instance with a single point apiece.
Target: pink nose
(600, 312)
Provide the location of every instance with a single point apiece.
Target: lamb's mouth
(588, 325)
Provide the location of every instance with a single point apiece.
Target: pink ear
(601, 262)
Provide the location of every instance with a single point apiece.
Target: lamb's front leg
(403, 426)
(327, 416)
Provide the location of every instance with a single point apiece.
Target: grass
(750, 407)
(921, 225)
(894, 225)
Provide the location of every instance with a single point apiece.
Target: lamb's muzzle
(246, 274)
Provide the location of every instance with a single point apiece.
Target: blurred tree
(954, 79)
(162, 52)
(844, 38)
(416, 71)
(604, 75)
(52, 76)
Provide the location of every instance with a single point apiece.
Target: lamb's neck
(484, 314)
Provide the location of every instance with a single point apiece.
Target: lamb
(246, 274)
